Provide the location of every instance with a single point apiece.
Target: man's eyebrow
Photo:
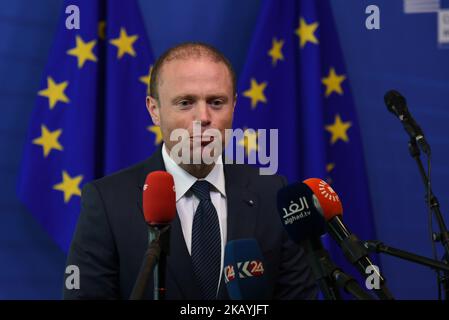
(217, 96)
(191, 97)
(184, 97)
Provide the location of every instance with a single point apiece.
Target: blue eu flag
(295, 80)
(90, 117)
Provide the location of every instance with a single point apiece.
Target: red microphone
(159, 198)
(355, 252)
(329, 201)
(159, 210)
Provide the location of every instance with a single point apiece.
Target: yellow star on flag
(333, 82)
(55, 92)
(70, 186)
(157, 132)
(306, 32)
(102, 30)
(276, 51)
(124, 43)
(338, 129)
(83, 51)
(255, 93)
(249, 141)
(330, 167)
(48, 140)
(146, 78)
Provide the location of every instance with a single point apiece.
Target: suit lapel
(242, 204)
(179, 265)
(242, 207)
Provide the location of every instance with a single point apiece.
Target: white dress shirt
(187, 202)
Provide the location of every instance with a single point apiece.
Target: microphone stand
(322, 267)
(329, 276)
(443, 236)
(357, 255)
(350, 285)
(379, 247)
(161, 234)
(155, 260)
(148, 264)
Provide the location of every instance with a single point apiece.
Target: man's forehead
(185, 65)
(183, 71)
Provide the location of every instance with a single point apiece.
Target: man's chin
(206, 153)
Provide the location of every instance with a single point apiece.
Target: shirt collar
(184, 180)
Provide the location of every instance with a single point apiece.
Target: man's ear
(153, 110)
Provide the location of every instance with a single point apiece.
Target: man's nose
(203, 114)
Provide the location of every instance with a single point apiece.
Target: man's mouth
(204, 140)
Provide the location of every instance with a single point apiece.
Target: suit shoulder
(121, 179)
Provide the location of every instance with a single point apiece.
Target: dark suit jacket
(111, 236)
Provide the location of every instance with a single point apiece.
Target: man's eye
(184, 103)
(217, 103)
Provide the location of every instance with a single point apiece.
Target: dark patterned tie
(206, 242)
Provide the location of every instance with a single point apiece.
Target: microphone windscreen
(300, 212)
(395, 102)
(244, 270)
(159, 198)
(328, 199)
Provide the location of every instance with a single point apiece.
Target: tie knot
(201, 189)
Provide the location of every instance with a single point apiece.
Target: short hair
(184, 51)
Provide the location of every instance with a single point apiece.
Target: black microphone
(397, 105)
(299, 211)
(331, 208)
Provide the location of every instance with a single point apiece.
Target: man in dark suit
(216, 202)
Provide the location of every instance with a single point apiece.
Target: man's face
(193, 89)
